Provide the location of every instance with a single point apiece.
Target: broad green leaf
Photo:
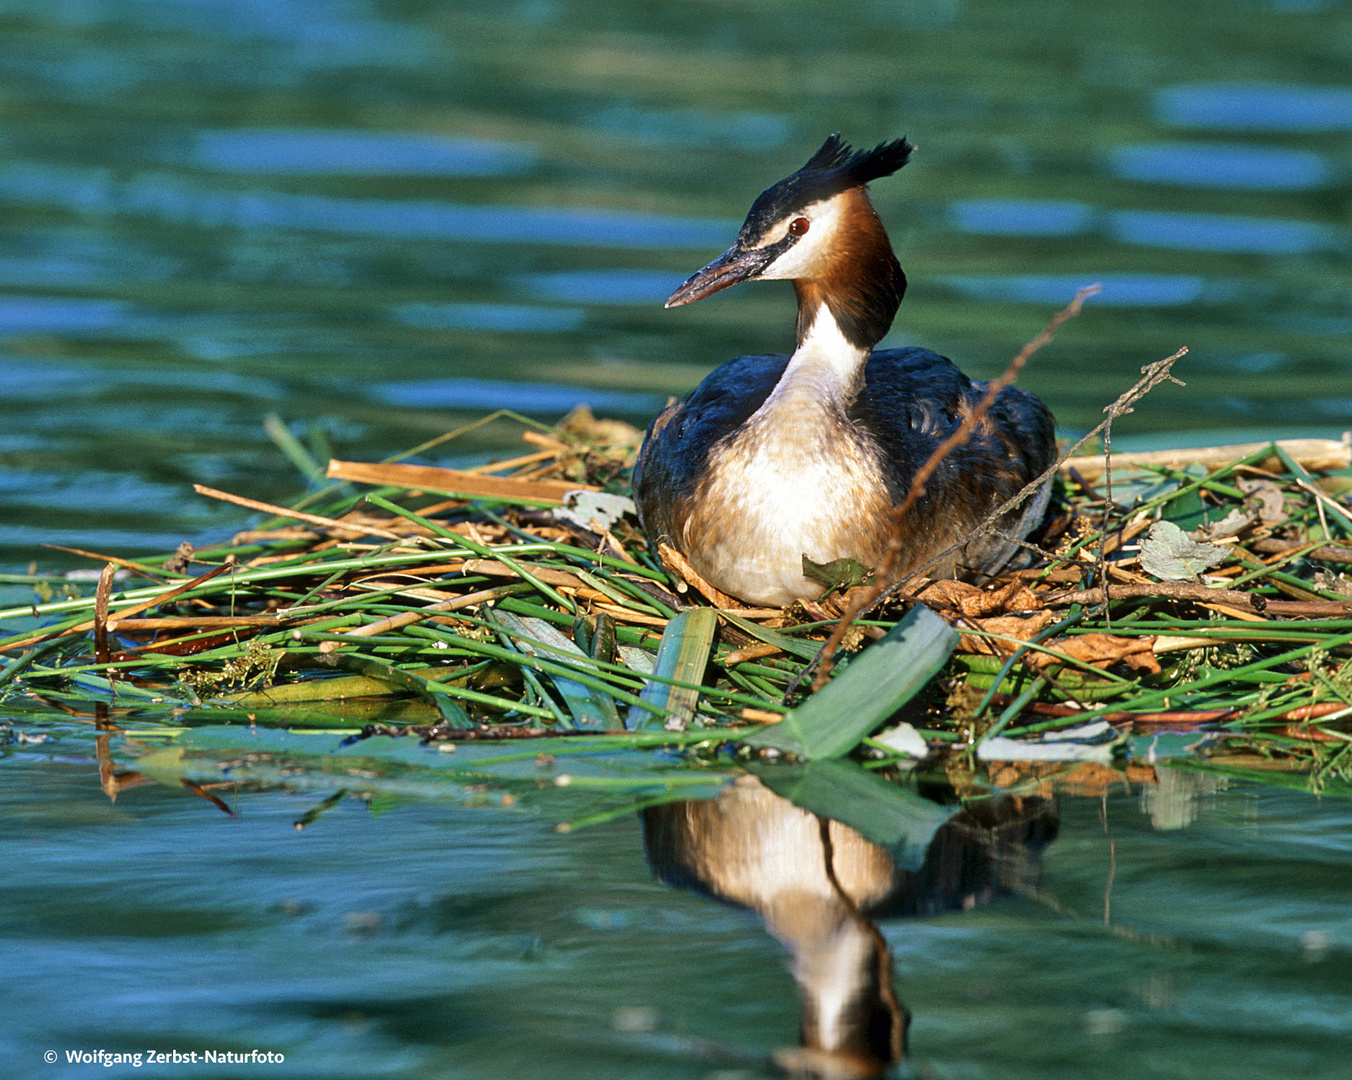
(304, 691)
(590, 709)
(876, 684)
(838, 574)
(682, 656)
(892, 816)
(636, 659)
(451, 712)
(1187, 510)
(352, 714)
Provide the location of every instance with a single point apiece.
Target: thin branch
(1323, 553)
(1151, 376)
(882, 578)
(363, 529)
(1101, 563)
(1188, 717)
(1157, 590)
(1202, 594)
(964, 430)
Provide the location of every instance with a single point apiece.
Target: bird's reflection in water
(818, 885)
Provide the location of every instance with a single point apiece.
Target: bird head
(809, 226)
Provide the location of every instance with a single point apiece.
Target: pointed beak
(734, 265)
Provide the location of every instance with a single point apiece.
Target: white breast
(796, 479)
(790, 485)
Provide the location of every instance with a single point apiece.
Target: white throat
(825, 367)
(794, 478)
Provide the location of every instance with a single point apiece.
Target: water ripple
(1119, 290)
(692, 127)
(357, 153)
(1256, 107)
(1234, 166)
(1220, 232)
(504, 318)
(603, 286)
(482, 394)
(1021, 217)
(168, 198)
(59, 314)
(1224, 233)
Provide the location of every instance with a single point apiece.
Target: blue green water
(379, 220)
(436, 940)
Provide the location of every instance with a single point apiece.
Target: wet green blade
(876, 684)
(120, 689)
(341, 687)
(791, 645)
(682, 656)
(451, 712)
(16, 666)
(296, 451)
(1297, 470)
(565, 778)
(590, 709)
(887, 814)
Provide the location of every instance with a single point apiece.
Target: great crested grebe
(775, 457)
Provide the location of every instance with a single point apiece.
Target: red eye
(798, 226)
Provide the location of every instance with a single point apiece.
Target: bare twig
(1101, 562)
(1163, 590)
(883, 574)
(135, 609)
(1151, 376)
(1202, 594)
(1187, 717)
(297, 515)
(1322, 553)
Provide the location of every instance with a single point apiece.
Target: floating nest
(1196, 591)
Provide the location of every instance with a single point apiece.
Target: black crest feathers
(836, 167)
(837, 162)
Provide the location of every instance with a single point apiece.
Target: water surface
(1182, 928)
(216, 210)
(380, 220)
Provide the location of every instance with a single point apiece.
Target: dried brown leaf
(1104, 650)
(1021, 627)
(973, 602)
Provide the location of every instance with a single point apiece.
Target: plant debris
(1201, 592)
